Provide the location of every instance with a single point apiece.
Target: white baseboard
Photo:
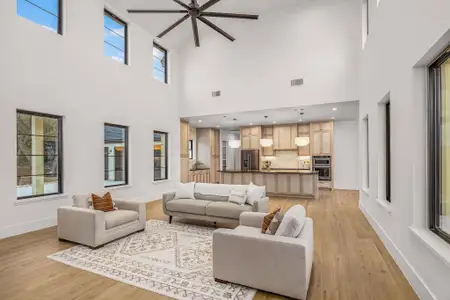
(408, 270)
(17, 229)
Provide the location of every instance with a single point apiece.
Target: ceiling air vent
(216, 94)
(297, 82)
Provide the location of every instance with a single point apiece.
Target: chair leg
(170, 219)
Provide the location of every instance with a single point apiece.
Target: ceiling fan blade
(208, 5)
(229, 15)
(173, 26)
(195, 29)
(149, 11)
(182, 4)
(213, 26)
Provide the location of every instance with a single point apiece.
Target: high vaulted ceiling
(182, 35)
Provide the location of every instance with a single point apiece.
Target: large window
(161, 164)
(159, 63)
(39, 154)
(115, 155)
(115, 38)
(439, 146)
(46, 13)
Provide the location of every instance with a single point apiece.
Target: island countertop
(293, 171)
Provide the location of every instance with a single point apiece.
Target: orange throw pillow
(104, 203)
(268, 219)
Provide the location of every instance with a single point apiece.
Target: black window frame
(60, 151)
(387, 110)
(59, 16)
(191, 149)
(166, 66)
(126, 153)
(166, 156)
(125, 24)
(434, 146)
(368, 17)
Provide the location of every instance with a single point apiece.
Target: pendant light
(234, 144)
(266, 142)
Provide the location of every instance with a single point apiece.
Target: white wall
(204, 146)
(69, 76)
(402, 33)
(319, 41)
(346, 172)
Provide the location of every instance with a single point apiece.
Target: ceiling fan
(196, 12)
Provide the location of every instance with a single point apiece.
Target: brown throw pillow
(268, 219)
(104, 203)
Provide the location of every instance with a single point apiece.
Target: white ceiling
(156, 23)
(346, 111)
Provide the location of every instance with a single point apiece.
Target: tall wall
(346, 162)
(317, 41)
(405, 35)
(69, 76)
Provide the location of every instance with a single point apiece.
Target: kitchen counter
(282, 183)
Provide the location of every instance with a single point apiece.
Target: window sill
(438, 246)
(18, 202)
(386, 205)
(366, 191)
(119, 187)
(162, 181)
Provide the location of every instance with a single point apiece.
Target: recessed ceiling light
(251, 123)
(218, 126)
(301, 120)
(200, 121)
(335, 108)
(333, 118)
(274, 122)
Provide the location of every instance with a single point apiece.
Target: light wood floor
(350, 262)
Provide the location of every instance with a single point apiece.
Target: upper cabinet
(303, 131)
(267, 133)
(284, 137)
(322, 138)
(250, 137)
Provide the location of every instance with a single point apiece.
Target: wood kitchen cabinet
(284, 137)
(215, 156)
(267, 133)
(304, 131)
(322, 138)
(250, 137)
(184, 151)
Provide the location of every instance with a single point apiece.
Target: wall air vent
(297, 82)
(216, 94)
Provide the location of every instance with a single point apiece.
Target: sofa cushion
(189, 206)
(254, 193)
(104, 203)
(119, 217)
(81, 200)
(215, 192)
(293, 222)
(184, 190)
(226, 209)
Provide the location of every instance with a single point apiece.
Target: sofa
(211, 204)
(277, 264)
(83, 225)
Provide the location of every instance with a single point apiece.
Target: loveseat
(211, 203)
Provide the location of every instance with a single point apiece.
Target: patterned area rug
(174, 260)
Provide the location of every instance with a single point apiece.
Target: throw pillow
(268, 219)
(238, 197)
(293, 222)
(184, 191)
(254, 193)
(104, 203)
(275, 223)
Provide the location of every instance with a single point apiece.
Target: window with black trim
(47, 13)
(159, 63)
(384, 144)
(439, 146)
(115, 155)
(39, 154)
(191, 149)
(387, 119)
(160, 154)
(115, 38)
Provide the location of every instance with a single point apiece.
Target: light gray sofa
(93, 228)
(276, 264)
(211, 204)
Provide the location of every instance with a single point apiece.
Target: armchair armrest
(169, 196)
(80, 225)
(262, 205)
(252, 219)
(135, 205)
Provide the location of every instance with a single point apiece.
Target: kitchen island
(283, 183)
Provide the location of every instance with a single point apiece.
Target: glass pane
(28, 165)
(36, 145)
(37, 185)
(159, 64)
(114, 37)
(158, 53)
(115, 155)
(445, 167)
(159, 75)
(114, 53)
(160, 153)
(42, 12)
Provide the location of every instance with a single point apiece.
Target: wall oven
(322, 164)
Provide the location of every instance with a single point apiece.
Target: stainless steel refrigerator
(249, 160)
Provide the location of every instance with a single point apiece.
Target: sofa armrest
(169, 196)
(252, 219)
(262, 205)
(257, 261)
(135, 205)
(80, 225)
